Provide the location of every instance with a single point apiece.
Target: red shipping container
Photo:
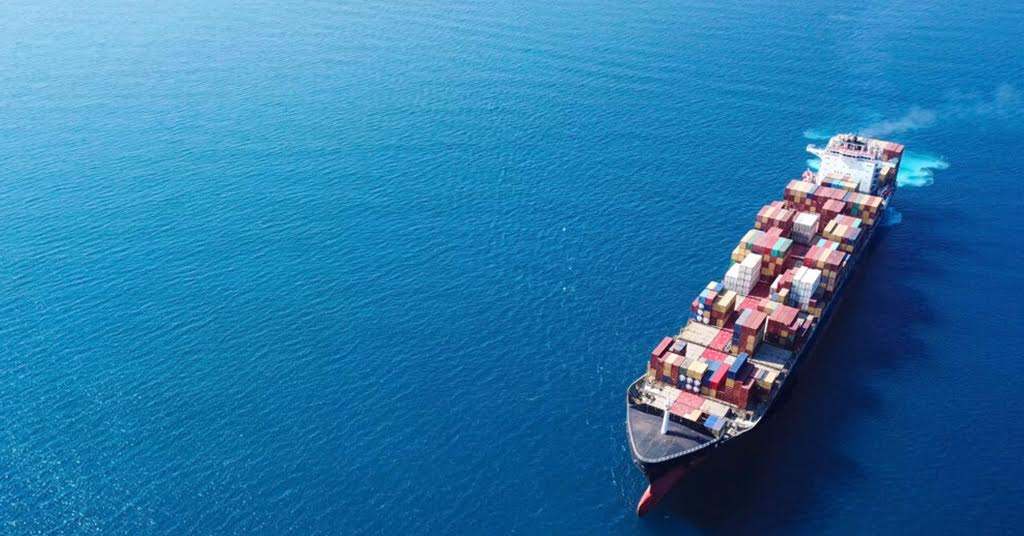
(710, 354)
(782, 318)
(730, 394)
(832, 208)
(775, 215)
(677, 371)
(659, 350)
(753, 321)
(661, 347)
(685, 403)
(739, 393)
(825, 193)
(837, 258)
(750, 302)
(849, 221)
(743, 394)
(680, 408)
(693, 400)
(718, 378)
(722, 341)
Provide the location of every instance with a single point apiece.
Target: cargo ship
(719, 377)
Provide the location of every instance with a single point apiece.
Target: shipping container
(661, 347)
(805, 227)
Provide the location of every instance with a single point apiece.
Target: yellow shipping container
(725, 301)
(739, 253)
(697, 369)
(666, 367)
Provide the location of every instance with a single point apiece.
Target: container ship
(719, 377)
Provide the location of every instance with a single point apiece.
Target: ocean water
(388, 267)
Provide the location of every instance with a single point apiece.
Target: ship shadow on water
(783, 472)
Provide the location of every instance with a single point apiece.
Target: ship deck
(651, 445)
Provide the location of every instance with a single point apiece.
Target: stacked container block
(864, 206)
(742, 277)
(832, 208)
(655, 365)
(775, 215)
(826, 256)
(781, 287)
(723, 309)
(721, 343)
(824, 194)
(775, 253)
(805, 286)
(842, 183)
(746, 244)
(805, 228)
(672, 368)
(806, 196)
(845, 231)
(800, 194)
(783, 325)
(748, 331)
(765, 378)
(703, 306)
(738, 383)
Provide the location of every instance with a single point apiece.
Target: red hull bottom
(658, 489)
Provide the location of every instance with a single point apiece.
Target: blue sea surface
(388, 267)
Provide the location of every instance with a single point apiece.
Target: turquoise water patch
(918, 169)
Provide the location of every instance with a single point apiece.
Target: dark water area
(377, 267)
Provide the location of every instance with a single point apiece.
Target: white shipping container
(805, 227)
(805, 284)
(741, 278)
(739, 281)
(752, 262)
